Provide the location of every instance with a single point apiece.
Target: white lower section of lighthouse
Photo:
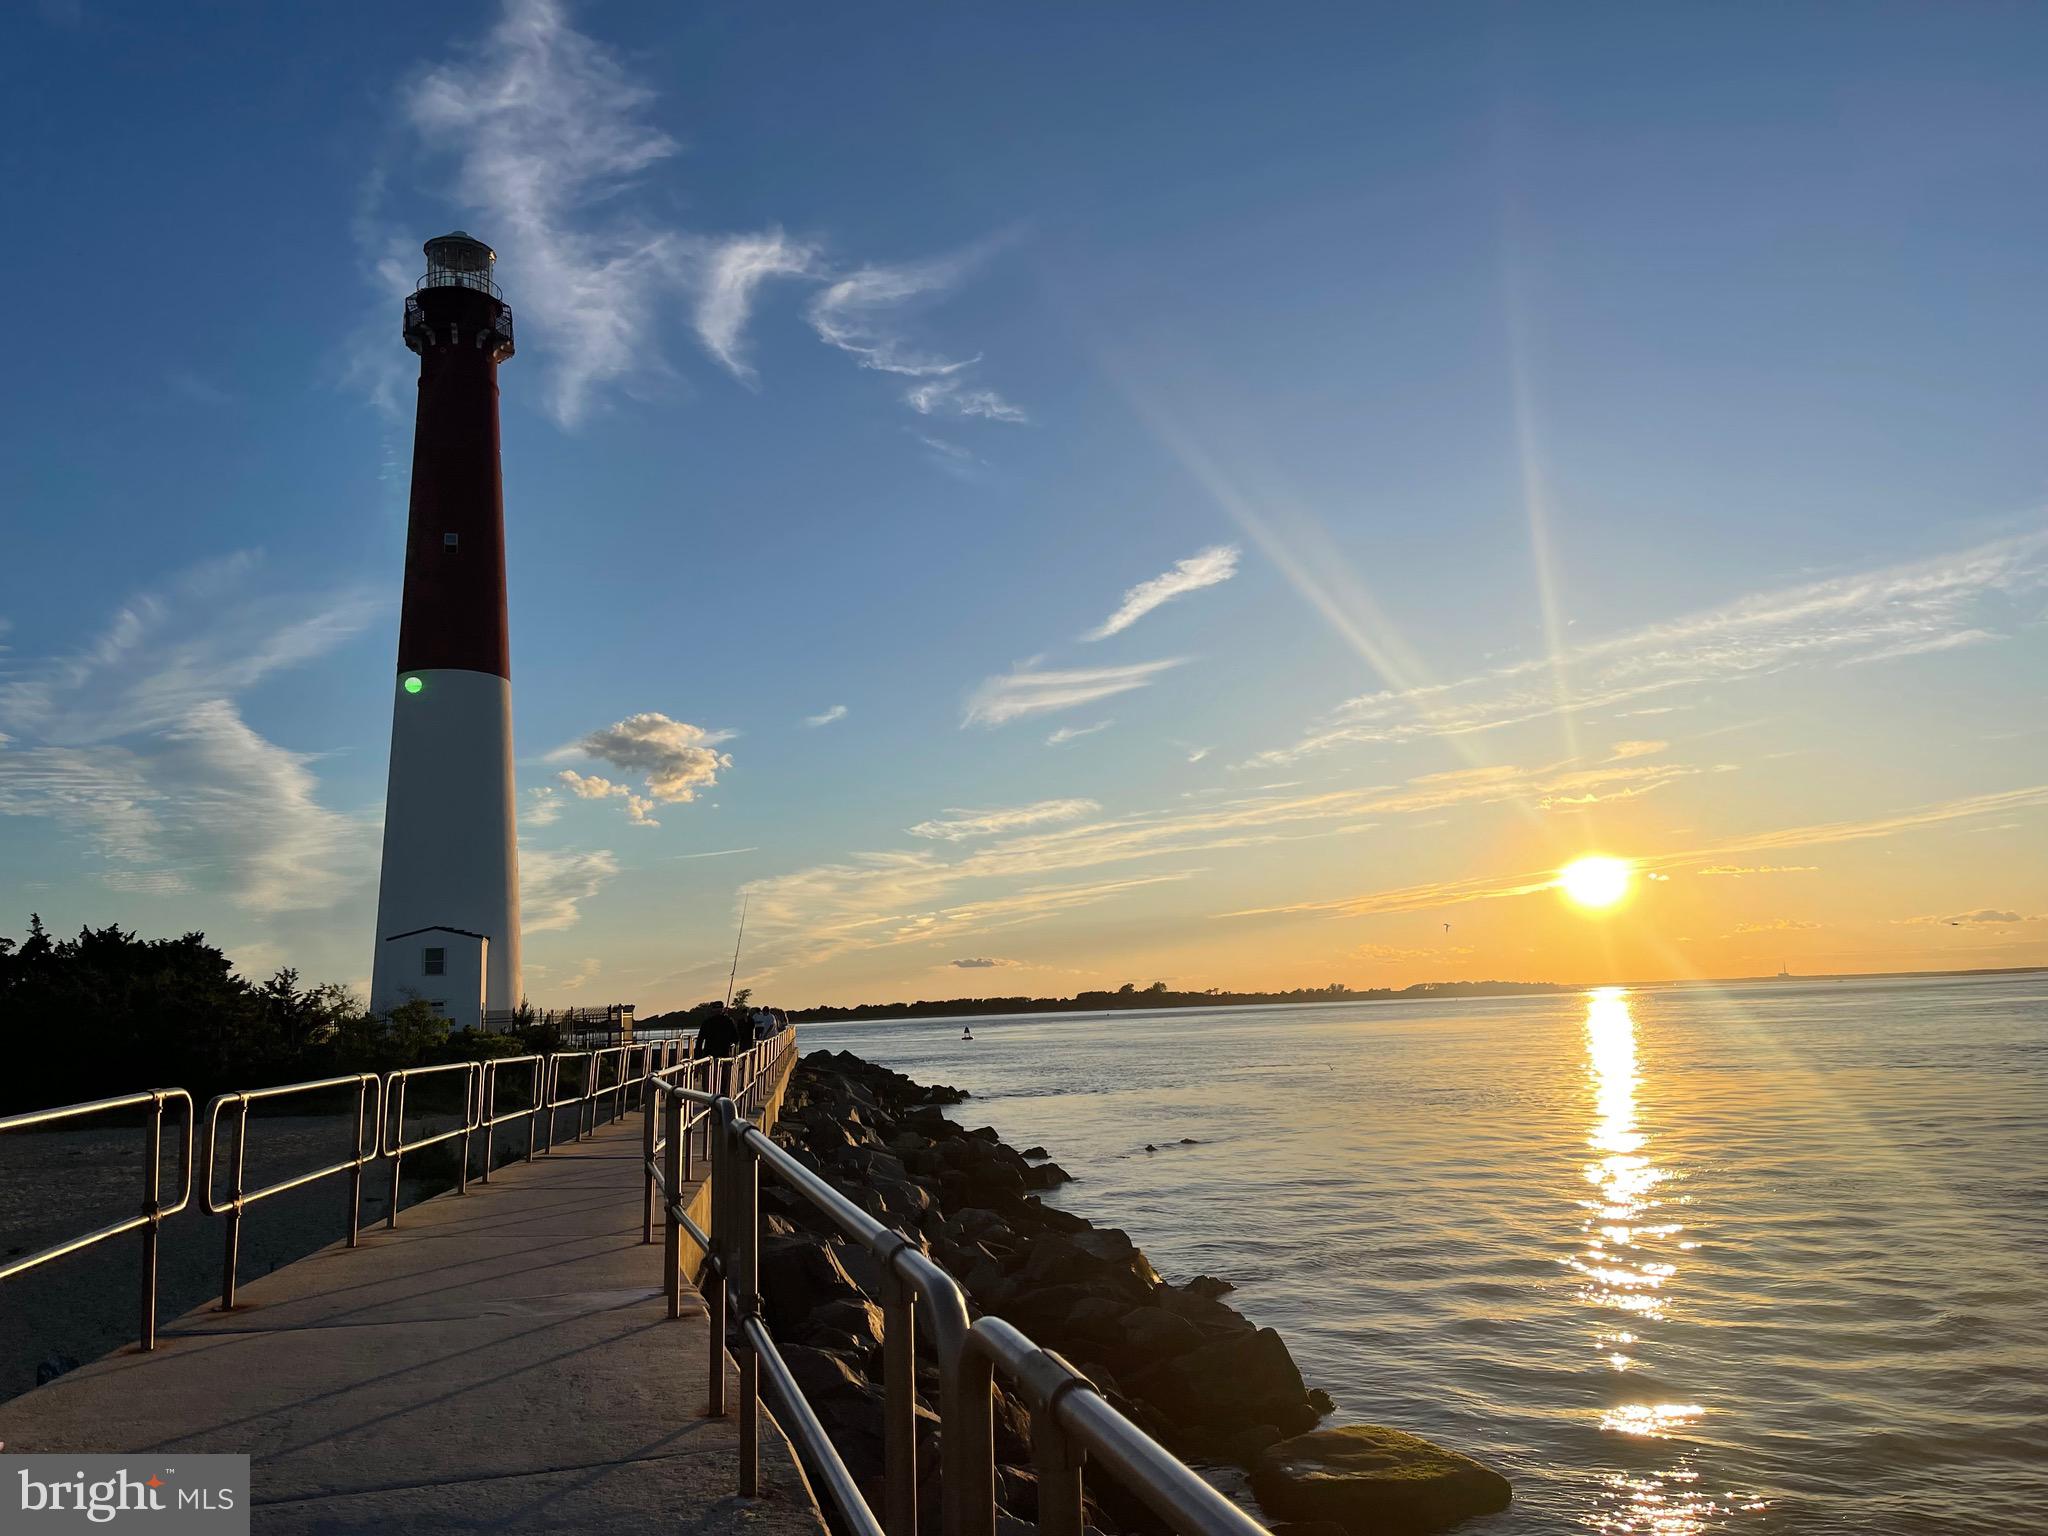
(448, 906)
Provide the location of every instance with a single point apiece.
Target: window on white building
(436, 962)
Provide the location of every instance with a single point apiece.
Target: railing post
(233, 1239)
(1053, 1457)
(648, 1100)
(967, 1450)
(487, 1094)
(550, 1067)
(745, 1226)
(472, 1103)
(152, 1207)
(355, 1174)
(899, 1404)
(540, 1071)
(716, 1269)
(672, 1248)
(394, 1136)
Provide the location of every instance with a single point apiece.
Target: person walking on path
(718, 1037)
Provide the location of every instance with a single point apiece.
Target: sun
(1596, 880)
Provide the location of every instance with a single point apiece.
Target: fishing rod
(734, 975)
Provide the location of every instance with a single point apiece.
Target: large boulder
(1372, 1479)
(1235, 1381)
(798, 1276)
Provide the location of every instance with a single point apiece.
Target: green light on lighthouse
(414, 685)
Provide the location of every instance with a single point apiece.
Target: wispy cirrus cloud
(548, 130)
(547, 136)
(1206, 568)
(957, 826)
(1982, 917)
(829, 716)
(1897, 611)
(862, 313)
(949, 397)
(555, 883)
(134, 743)
(733, 271)
(1027, 690)
(210, 632)
(676, 760)
(1067, 733)
(885, 899)
(1445, 893)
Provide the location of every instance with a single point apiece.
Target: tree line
(108, 1013)
(1158, 995)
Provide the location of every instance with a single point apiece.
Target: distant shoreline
(1420, 992)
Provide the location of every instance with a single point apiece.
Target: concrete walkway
(503, 1361)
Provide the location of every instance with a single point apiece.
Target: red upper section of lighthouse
(454, 611)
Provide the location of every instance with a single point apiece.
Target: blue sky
(1586, 427)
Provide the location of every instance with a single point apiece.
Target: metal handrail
(368, 1113)
(593, 1069)
(395, 1144)
(531, 1114)
(149, 1220)
(1071, 1421)
(655, 1142)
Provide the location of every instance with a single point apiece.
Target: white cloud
(549, 134)
(826, 717)
(134, 743)
(947, 397)
(1444, 893)
(957, 826)
(732, 271)
(554, 884)
(543, 806)
(1208, 568)
(1737, 871)
(677, 759)
(547, 128)
(147, 882)
(1029, 691)
(882, 899)
(208, 633)
(1983, 916)
(1912, 609)
(961, 463)
(860, 313)
(1067, 733)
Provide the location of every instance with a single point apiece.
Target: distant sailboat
(1783, 973)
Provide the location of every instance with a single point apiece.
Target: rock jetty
(1193, 1372)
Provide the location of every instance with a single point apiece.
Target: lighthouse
(448, 900)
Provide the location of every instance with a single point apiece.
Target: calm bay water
(1767, 1258)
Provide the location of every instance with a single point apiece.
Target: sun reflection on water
(1627, 1237)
